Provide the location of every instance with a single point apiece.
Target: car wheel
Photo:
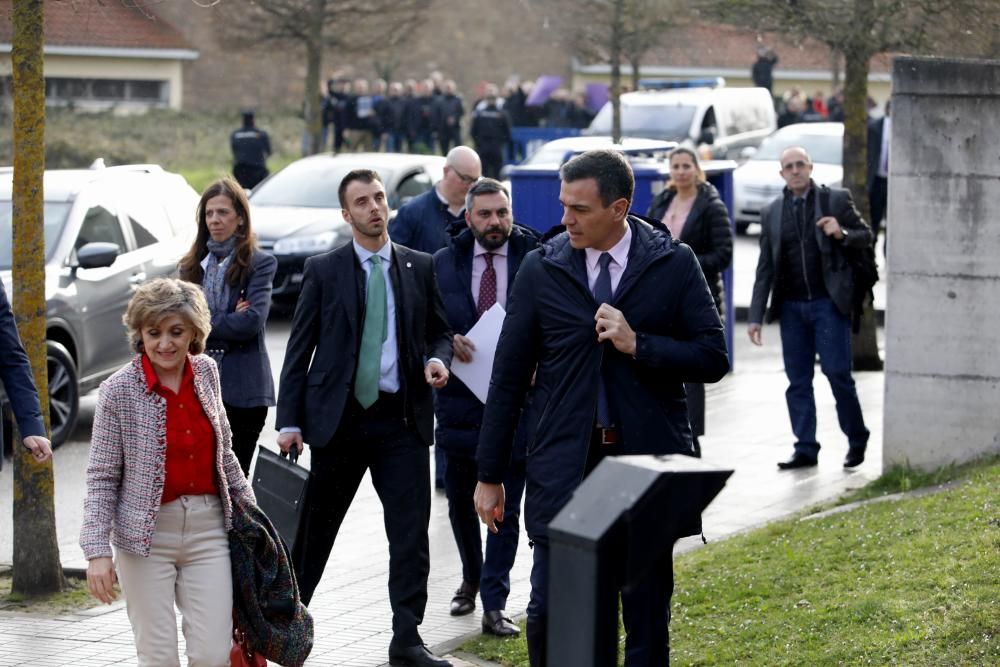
(64, 393)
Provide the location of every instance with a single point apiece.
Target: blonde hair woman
(161, 483)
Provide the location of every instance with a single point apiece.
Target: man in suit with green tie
(356, 387)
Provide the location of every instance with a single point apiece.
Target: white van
(720, 121)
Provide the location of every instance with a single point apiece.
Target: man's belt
(606, 436)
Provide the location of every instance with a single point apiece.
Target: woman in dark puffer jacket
(694, 213)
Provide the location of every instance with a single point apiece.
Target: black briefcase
(280, 485)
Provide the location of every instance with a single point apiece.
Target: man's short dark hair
(484, 186)
(363, 175)
(608, 167)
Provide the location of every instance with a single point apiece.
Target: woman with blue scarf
(236, 279)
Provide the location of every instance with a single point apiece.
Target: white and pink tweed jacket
(128, 452)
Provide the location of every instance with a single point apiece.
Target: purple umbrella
(597, 96)
(544, 87)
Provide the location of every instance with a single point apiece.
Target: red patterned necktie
(487, 287)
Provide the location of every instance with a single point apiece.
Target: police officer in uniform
(251, 146)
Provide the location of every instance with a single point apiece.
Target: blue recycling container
(535, 201)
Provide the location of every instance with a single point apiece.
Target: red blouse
(190, 468)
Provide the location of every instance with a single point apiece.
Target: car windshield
(670, 122)
(547, 155)
(305, 184)
(822, 148)
(55, 217)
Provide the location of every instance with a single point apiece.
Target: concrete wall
(942, 384)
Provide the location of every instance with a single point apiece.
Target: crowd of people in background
(431, 115)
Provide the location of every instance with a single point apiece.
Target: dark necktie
(487, 287)
(799, 211)
(602, 294)
(372, 336)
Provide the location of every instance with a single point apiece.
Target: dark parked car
(107, 230)
(296, 213)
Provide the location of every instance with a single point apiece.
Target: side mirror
(97, 255)
(707, 136)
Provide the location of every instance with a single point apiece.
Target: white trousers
(187, 564)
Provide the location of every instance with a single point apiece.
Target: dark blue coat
(550, 323)
(15, 371)
(246, 369)
(459, 413)
(423, 223)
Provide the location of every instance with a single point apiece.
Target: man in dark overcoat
(474, 272)
(616, 316)
(369, 340)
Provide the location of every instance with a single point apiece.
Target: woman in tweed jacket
(162, 480)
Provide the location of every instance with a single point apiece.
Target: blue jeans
(816, 327)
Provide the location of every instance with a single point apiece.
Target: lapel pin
(409, 265)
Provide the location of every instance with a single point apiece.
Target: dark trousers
(249, 175)
(816, 327)
(645, 605)
(878, 200)
(696, 407)
(449, 137)
(379, 441)
(246, 424)
(492, 573)
(492, 159)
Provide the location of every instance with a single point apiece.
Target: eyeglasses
(801, 164)
(468, 180)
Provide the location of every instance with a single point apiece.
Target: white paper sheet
(484, 335)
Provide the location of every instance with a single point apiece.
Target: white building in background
(104, 56)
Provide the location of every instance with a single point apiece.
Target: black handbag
(280, 485)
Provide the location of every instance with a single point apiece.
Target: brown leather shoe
(499, 624)
(464, 601)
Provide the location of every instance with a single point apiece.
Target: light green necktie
(372, 337)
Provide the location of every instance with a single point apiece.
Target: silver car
(107, 230)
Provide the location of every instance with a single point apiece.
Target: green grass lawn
(910, 581)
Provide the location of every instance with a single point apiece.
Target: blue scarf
(214, 281)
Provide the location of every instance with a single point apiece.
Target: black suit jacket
(317, 377)
(837, 274)
(15, 371)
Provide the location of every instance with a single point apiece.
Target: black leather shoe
(464, 601)
(855, 457)
(797, 461)
(497, 623)
(415, 656)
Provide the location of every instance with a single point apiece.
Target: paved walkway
(748, 431)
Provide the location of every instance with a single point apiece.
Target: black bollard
(622, 520)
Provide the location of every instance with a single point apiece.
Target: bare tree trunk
(616, 72)
(865, 342)
(835, 70)
(37, 569)
(314, 68)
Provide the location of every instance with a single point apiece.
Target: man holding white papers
(475, 272)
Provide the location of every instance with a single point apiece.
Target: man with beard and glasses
(475, 272)
(369, 340)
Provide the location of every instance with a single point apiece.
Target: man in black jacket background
(803, 268)
(616, 316)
